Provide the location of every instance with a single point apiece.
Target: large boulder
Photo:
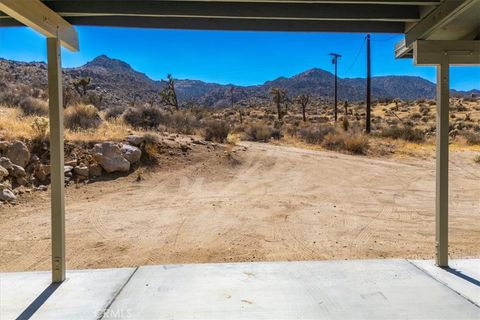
(110, 157)
(18, 153)
(131, 153)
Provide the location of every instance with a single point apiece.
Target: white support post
(441, 202)
(442, 54)
(56, 159)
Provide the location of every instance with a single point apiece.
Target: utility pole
(369, 86)
(335, 57)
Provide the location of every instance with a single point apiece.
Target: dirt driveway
(268, 203)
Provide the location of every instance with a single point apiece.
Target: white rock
(110, 157)
(131, 153)
(7, 195)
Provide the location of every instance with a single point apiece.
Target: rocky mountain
(118, 84)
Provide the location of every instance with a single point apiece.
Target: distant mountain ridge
(119, 84)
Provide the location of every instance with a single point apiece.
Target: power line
(356, 57)
(387, 39)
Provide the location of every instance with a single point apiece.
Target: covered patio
(438, 33)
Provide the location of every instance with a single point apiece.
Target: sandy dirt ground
(266, 203)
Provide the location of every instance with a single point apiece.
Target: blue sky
(242, 58)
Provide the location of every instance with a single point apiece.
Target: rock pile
(20, 168)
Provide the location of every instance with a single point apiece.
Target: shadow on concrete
(463, 276)
(38, 302)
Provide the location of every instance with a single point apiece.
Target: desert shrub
(182, 122)
(33, 106)
(415, 115)
(276, 133)
(477, 158)
(259, 132)
(471, 137)
(424, 109)
(406, 133)
(9, 98)
(40, 126)
(216, 130)
(315, 135)
(333, 141)
(233, 139)
(82, 117)
(146, 117)
(356, 143)
(114, 112)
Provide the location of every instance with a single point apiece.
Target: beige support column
(56, 159)
(441, 202)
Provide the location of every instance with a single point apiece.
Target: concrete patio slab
(355, 289)
(368, 289)
(84, 295)
(463, 276)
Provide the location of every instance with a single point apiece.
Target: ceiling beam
(38, 16)
(233, 24)
(458, 52)
(446, 12)
(237, 10)
(390, 2)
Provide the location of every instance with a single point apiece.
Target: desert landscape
(183, 171)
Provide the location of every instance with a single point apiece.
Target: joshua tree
(168, 95)
(303, 100)
(278, 96)
(82, 84)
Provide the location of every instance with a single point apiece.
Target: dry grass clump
(259, 131)
(406, 133)
(471, 138)
(335, 139)
(33, 106)
(14, 124)
(114, 112)
(315, 135)
(216, 130)
(233, 139)
(356, 143)
(82, 117)
(114, 129)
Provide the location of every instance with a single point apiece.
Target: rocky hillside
(118, 84)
